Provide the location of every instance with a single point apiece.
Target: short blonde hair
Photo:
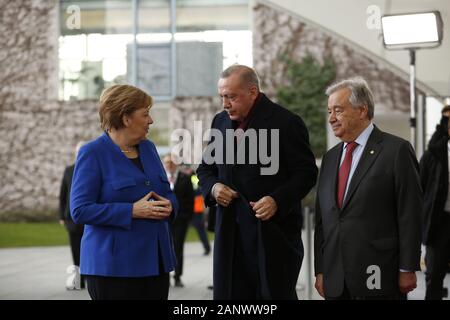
(120, 100)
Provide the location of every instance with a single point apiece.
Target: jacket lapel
(262, 114)
(227, 125)
(368, 157)
(335, 158)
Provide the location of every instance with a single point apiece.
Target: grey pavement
(39, 273)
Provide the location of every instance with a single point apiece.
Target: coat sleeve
(409, 207)
(86, 186)
(301, 166)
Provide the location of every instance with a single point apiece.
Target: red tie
(344, 172)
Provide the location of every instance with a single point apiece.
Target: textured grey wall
(38, 134)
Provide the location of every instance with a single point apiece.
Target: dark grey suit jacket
(379, 223)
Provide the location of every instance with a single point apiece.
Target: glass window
(92, 52)
(98, 49)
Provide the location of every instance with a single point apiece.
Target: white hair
(360, 93)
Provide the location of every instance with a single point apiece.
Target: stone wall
(278, 34)
(38, 133)
(184, 113)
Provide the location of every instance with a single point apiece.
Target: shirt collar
(363, 137)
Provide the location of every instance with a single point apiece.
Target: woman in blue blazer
(121, 194)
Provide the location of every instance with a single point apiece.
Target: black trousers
(346, 295)
(179, 232)
(199, 225)
(75, 244)
(118, 288)
(437, 258)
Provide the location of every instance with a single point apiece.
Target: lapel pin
(372, 152)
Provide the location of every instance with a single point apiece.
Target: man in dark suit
(258, 249)
(368, 206)
(181, 185)
(74, 230)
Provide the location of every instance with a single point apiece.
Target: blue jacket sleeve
(85, 191)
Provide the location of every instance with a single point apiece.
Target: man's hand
(319, 284)
(264, 208)
(407, 281)
(224, 194)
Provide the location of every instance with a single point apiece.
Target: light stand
(412, 96)
(412, 31)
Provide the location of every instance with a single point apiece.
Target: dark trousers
(75, 244)
(437, 258)
(199, 225)
(346, 295)
(179, 232)
(117, 288)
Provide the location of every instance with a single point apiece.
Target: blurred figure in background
(74, 230)
(198, 219)
(435, 176)
(441, 127)
(181, 185)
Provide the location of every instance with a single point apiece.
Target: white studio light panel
(415, 30)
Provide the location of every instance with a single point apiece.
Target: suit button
(147, 183)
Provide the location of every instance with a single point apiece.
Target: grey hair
(360, 93)
(248, 75)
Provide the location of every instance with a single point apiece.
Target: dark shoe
(178, 283)
(207, 251)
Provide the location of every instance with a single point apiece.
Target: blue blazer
(105, 185)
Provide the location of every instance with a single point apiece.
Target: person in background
(75, 231)
(435, 177)
(198, 219)
(181, 185)
(445, 112)
(121, 194)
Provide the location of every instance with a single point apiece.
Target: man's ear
(254, 91)
(364, 112)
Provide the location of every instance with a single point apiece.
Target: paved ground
(40, 274)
